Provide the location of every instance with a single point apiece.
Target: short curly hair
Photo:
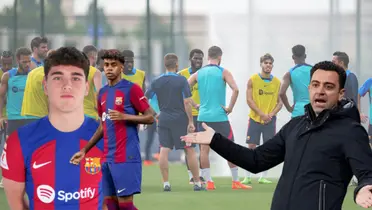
(329, 66)
(67, 56)
(114, 55)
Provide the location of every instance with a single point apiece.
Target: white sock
(190, 174)
(166, 184)
(264, 174)
(198, 184)
(234, 174)
(207, 173)
(248, 174)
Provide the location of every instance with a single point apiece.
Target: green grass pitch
(183, 197)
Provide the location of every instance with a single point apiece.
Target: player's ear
(45, 86)
(86, 88)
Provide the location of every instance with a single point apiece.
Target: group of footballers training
(58, 105)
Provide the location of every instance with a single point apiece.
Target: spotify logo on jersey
(45, 193)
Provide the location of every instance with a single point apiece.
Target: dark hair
(128, 53)
(298, 51)
(214, 52)
(170, 61)
(6, 54)
(114, 55)
(35, 42)
(99, 56)
(67, 56)
(89, 48)
(195, 51)
(23, 51)
(267, 56)
(342, 56)
(329, 66)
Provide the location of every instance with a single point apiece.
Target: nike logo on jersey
(103, 103)
(36, 166)
(143, 97)
(119, 191)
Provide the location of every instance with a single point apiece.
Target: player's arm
(97, 79)
(250, 100)
(229, 79)
(278, 106)
(14, 173)
(193, 79)
(186, 92)
(283, 91)
(264, 157)
(354, 87)
(3, 90)
(363, 90)
(98, 135)
(144, 84)
(141, 104)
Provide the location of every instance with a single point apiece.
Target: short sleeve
(138, 99)
(12, 160)
(365, 87)
(186, 89)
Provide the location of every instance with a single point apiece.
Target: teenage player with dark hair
(119, 104)
(36, 157)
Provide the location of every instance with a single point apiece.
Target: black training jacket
(320, 156)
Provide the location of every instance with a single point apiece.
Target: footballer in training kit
(119, 104)
(36, 156)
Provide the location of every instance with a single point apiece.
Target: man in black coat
(321, 150)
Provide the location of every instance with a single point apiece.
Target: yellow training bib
(138, 77)
(194, 89)
(90, 101)
(35, 102)
(265, 95)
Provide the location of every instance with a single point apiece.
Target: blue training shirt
(212, 92)
(300, 80)
(170, 90)
(367, 87)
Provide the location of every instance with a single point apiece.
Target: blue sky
(117, 7)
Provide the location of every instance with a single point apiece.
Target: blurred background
(244, 29)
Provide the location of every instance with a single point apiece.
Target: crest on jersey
(92, 165)
(118, 100)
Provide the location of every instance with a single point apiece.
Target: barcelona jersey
(39, 155)
(121, 141)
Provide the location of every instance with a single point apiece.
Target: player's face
(267, 66)
(129, 63)
(24, 62)
(197, 60)
(42, 50)
(324, 90)
(112, 68)
(66, 88)
(92, 58)
(6, 64)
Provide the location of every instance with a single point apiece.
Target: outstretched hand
(203, 137)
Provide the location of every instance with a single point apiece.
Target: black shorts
(224, 128)
(13, 125)
(169, 137)
(255, 130)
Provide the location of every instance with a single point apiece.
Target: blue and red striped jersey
(39, 155)
(121, 141)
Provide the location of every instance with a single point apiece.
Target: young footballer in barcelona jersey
(118, 104)
(196, 61)
(263, 100)
(36, 156)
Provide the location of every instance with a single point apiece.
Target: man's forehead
(7, 60)
(324, 76)
(66, 70)
(109, 60)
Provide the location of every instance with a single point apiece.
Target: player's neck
(36, 57)
(171, 70)
(265, 75)
(66, 122)
(298, 62)
(113, 82)
(128, 71)
(20, 70)
(214, 62)
(194, 69)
